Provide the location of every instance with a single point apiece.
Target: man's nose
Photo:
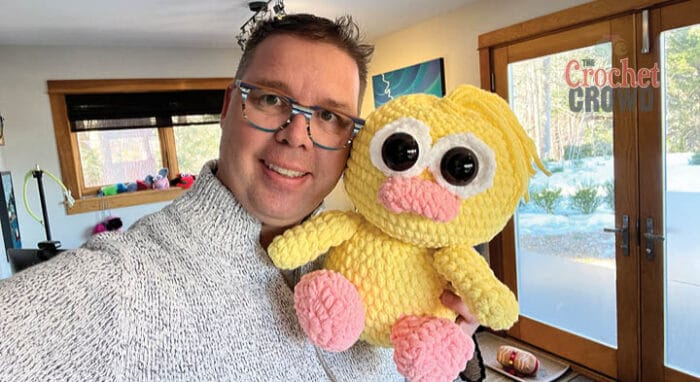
(295, 133)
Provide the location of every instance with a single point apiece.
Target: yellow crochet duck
(430, 178)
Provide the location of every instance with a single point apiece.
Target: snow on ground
(568, 232)
(566, 262)
(680, 176)
(542, 224)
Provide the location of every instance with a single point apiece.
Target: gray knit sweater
(186, 294)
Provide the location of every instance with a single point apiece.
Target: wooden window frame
(86, 199)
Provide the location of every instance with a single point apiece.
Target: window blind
(111, 111)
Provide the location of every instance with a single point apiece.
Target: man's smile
(286, 172)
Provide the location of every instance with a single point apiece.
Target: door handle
(625, 232)
(651, 238)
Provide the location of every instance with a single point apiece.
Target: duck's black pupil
(400, 151)
(459, 166)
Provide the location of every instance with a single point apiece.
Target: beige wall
(454, 36)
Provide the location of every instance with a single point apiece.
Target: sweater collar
(210, 207)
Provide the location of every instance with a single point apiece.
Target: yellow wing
(306, 242)
(491, 302)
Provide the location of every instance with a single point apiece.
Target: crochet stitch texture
(413, 232)
(186, 294)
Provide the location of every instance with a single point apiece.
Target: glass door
(575, 267)
(670, 198)
(565, 259)
(605, 259)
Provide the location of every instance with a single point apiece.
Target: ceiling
(185, 23)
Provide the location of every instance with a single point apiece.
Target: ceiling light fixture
(263, 10)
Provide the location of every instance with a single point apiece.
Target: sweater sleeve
(59, 319)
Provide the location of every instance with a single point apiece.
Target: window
(120, 131)
(604, 259)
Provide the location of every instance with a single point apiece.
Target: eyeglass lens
(272, 111)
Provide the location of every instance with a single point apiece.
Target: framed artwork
(427, 77)
(8, 212)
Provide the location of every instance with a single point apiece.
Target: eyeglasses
(269, 111)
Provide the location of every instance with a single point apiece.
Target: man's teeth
(285, 171)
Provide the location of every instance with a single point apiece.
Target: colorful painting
(427, 77)
(8, 213)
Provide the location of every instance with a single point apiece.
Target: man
(281, 176)
(188, 293)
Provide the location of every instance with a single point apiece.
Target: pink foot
(329, 310)
(430, 349)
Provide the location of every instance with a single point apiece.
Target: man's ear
(227, 99)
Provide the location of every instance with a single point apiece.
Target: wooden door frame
(651, 198)
(619, 364)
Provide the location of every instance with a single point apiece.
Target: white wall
(29, 132)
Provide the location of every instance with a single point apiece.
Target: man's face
(281, 177)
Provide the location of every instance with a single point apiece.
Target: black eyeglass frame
(296, 108)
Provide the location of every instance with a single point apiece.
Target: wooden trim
(92, 190)
(651, 159)
(67, 141)
(578, 348)
(168, 151)
(626, 172)
(651, 206)
(500, 71)
(566, 19)
(67, 146)
(673, 375)
(135, 85)
(495, 257)
(639, 282)
(559, 42)
(677, 16)
(94, 203)
(485, 68)
(596, 356)
(504, 243)
(591, 374)
(510, 274)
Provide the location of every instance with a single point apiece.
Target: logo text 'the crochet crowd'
(591, 88)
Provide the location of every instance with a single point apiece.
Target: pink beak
(419, 196)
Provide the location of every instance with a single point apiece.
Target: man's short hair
(343, 33)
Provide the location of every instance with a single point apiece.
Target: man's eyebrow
(273, 85)
(326, 103)
(332, 104)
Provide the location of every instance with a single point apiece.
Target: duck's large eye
(401, 147)
(400, 151)
(463, 164)
(459, 166)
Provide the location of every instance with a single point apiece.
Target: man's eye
(270, 100)
(327, 116)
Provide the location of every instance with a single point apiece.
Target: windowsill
(576, 372)
(94, 203)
